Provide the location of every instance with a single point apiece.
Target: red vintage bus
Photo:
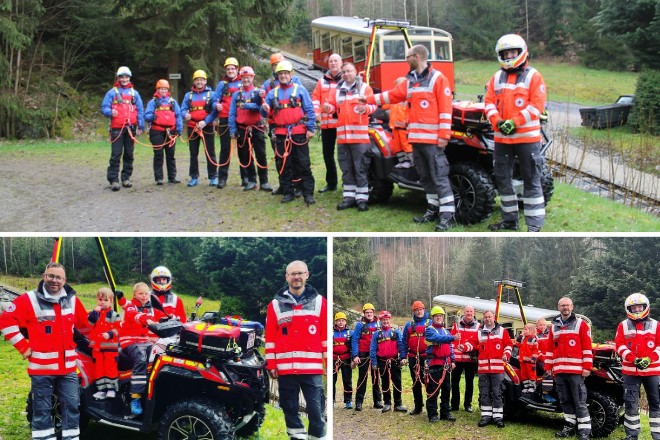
(350, 38)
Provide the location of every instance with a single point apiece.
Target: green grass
(565, 82)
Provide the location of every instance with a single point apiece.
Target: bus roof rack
(389, 23)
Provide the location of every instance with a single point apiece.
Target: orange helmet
(276, 58)
(162, 83)
(246, 70)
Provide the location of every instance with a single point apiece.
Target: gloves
(643, 363)
(506, 127)
(119, 294)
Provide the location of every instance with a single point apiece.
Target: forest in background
(244, 273)
(597, 273)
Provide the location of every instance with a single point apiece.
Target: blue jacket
(357, 333)
(151, 107)
(390, 332)
(302, 94)
(439, 336)
(197, 96)
(415, 321)
(255, 105)
(106, 105)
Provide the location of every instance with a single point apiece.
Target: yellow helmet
(437, 310)
(368, 306)
(284, 66)
(340, 315)
(199, 74)
(231, 62)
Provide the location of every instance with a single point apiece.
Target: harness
(394, 335)
(119, 98)
(208, 107)
(294, 100)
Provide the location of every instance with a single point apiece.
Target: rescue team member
(440, 354)
(570, 359)
(429, 102)
(245, 122)
(123, 105)
(494, 350)
(104, 341)
(466, 360)
(387, 353)
(399, 126)
(49, 313)
(198, 109)
(413, 336)
(134, 339)
(528, 354)
(161, 285)
(360, 347)
(547, 383)
(267, 86)
(292, 111)
(638, 344)
(296, 342)
(325, 89)
(352, 136)
(515, 100)
(341, 355)
(230, 84)
(164, 114)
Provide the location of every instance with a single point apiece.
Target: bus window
(442, 50)
(335, 44)
(360, 51)
(394, 50)
(325, 42)
(347, 47)
(427, 44)
(317, 39)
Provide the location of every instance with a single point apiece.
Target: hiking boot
(277, 192)
(533, 228)
(484, 421)
(400, 408)
(222, 184)
(430, 215)
(265, 187)
(468, 409)
(193, 181)
(159, 182)
(309, 200)
(434, 419)
(583, 437)
(213, 181)
(499, 423)
(448, 417)
(136, 407)
(99, 395)
(445, 224)
(567, 431)
(288, 198)
(250, 186)
(297, 193)
(504, 225)
(127, 184)
(358, 406)
(405, 165)
(110, 394)
(378, 405)
(362, 206)
(386, 408)
(244, 181)
(328, 188)
(115, 186)
(415, 411)
(349, 405)
(347, 203)
(174, 180)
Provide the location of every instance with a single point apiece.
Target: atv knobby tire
(474, 192)
(254, 424)
(604, 414)
(380, 190)
(197, 418)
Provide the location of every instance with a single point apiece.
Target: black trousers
(415, 364)
(328, 140)
(193, 144)
(343, 367)
(139, 353)
(297, 160)
(363, 373)
(225, 149)
(433, 390)
(166, 152)
(123, 145)
(65, 386)
(387, 368)
(470, 369)
(258, 139)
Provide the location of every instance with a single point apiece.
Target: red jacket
(469, 339)
(296, 332)
(341, 343)
(528, 349)
(324, 91)
(519, 96)
(107, 321)
(413, 335)
(172, 304)
(352, 127)
(224, 91)
(134, 329)
(493, 345)
(639, 339)
(50, 327)
(569, 348)
(544, 340)
(429, 105)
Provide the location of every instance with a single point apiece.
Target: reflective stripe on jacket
(639, 339)
(469, 339)
(493, 345)
(569, 349)
(323, 92)
(352, 127)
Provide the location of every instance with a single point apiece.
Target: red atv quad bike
(470, 154)
(604, 388)
(204, 382)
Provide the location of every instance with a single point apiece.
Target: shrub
(645, 114)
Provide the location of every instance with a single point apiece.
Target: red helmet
(246, 70)
(162, 83)
(384, 314)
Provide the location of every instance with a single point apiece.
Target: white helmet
(508, 42)
(637, 299)
(159, 272)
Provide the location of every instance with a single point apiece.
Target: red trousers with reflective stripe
(105, 364)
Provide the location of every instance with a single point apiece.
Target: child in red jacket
(104, 340)
(528, 354)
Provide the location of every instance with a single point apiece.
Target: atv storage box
(214, 340)
(470, 114)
